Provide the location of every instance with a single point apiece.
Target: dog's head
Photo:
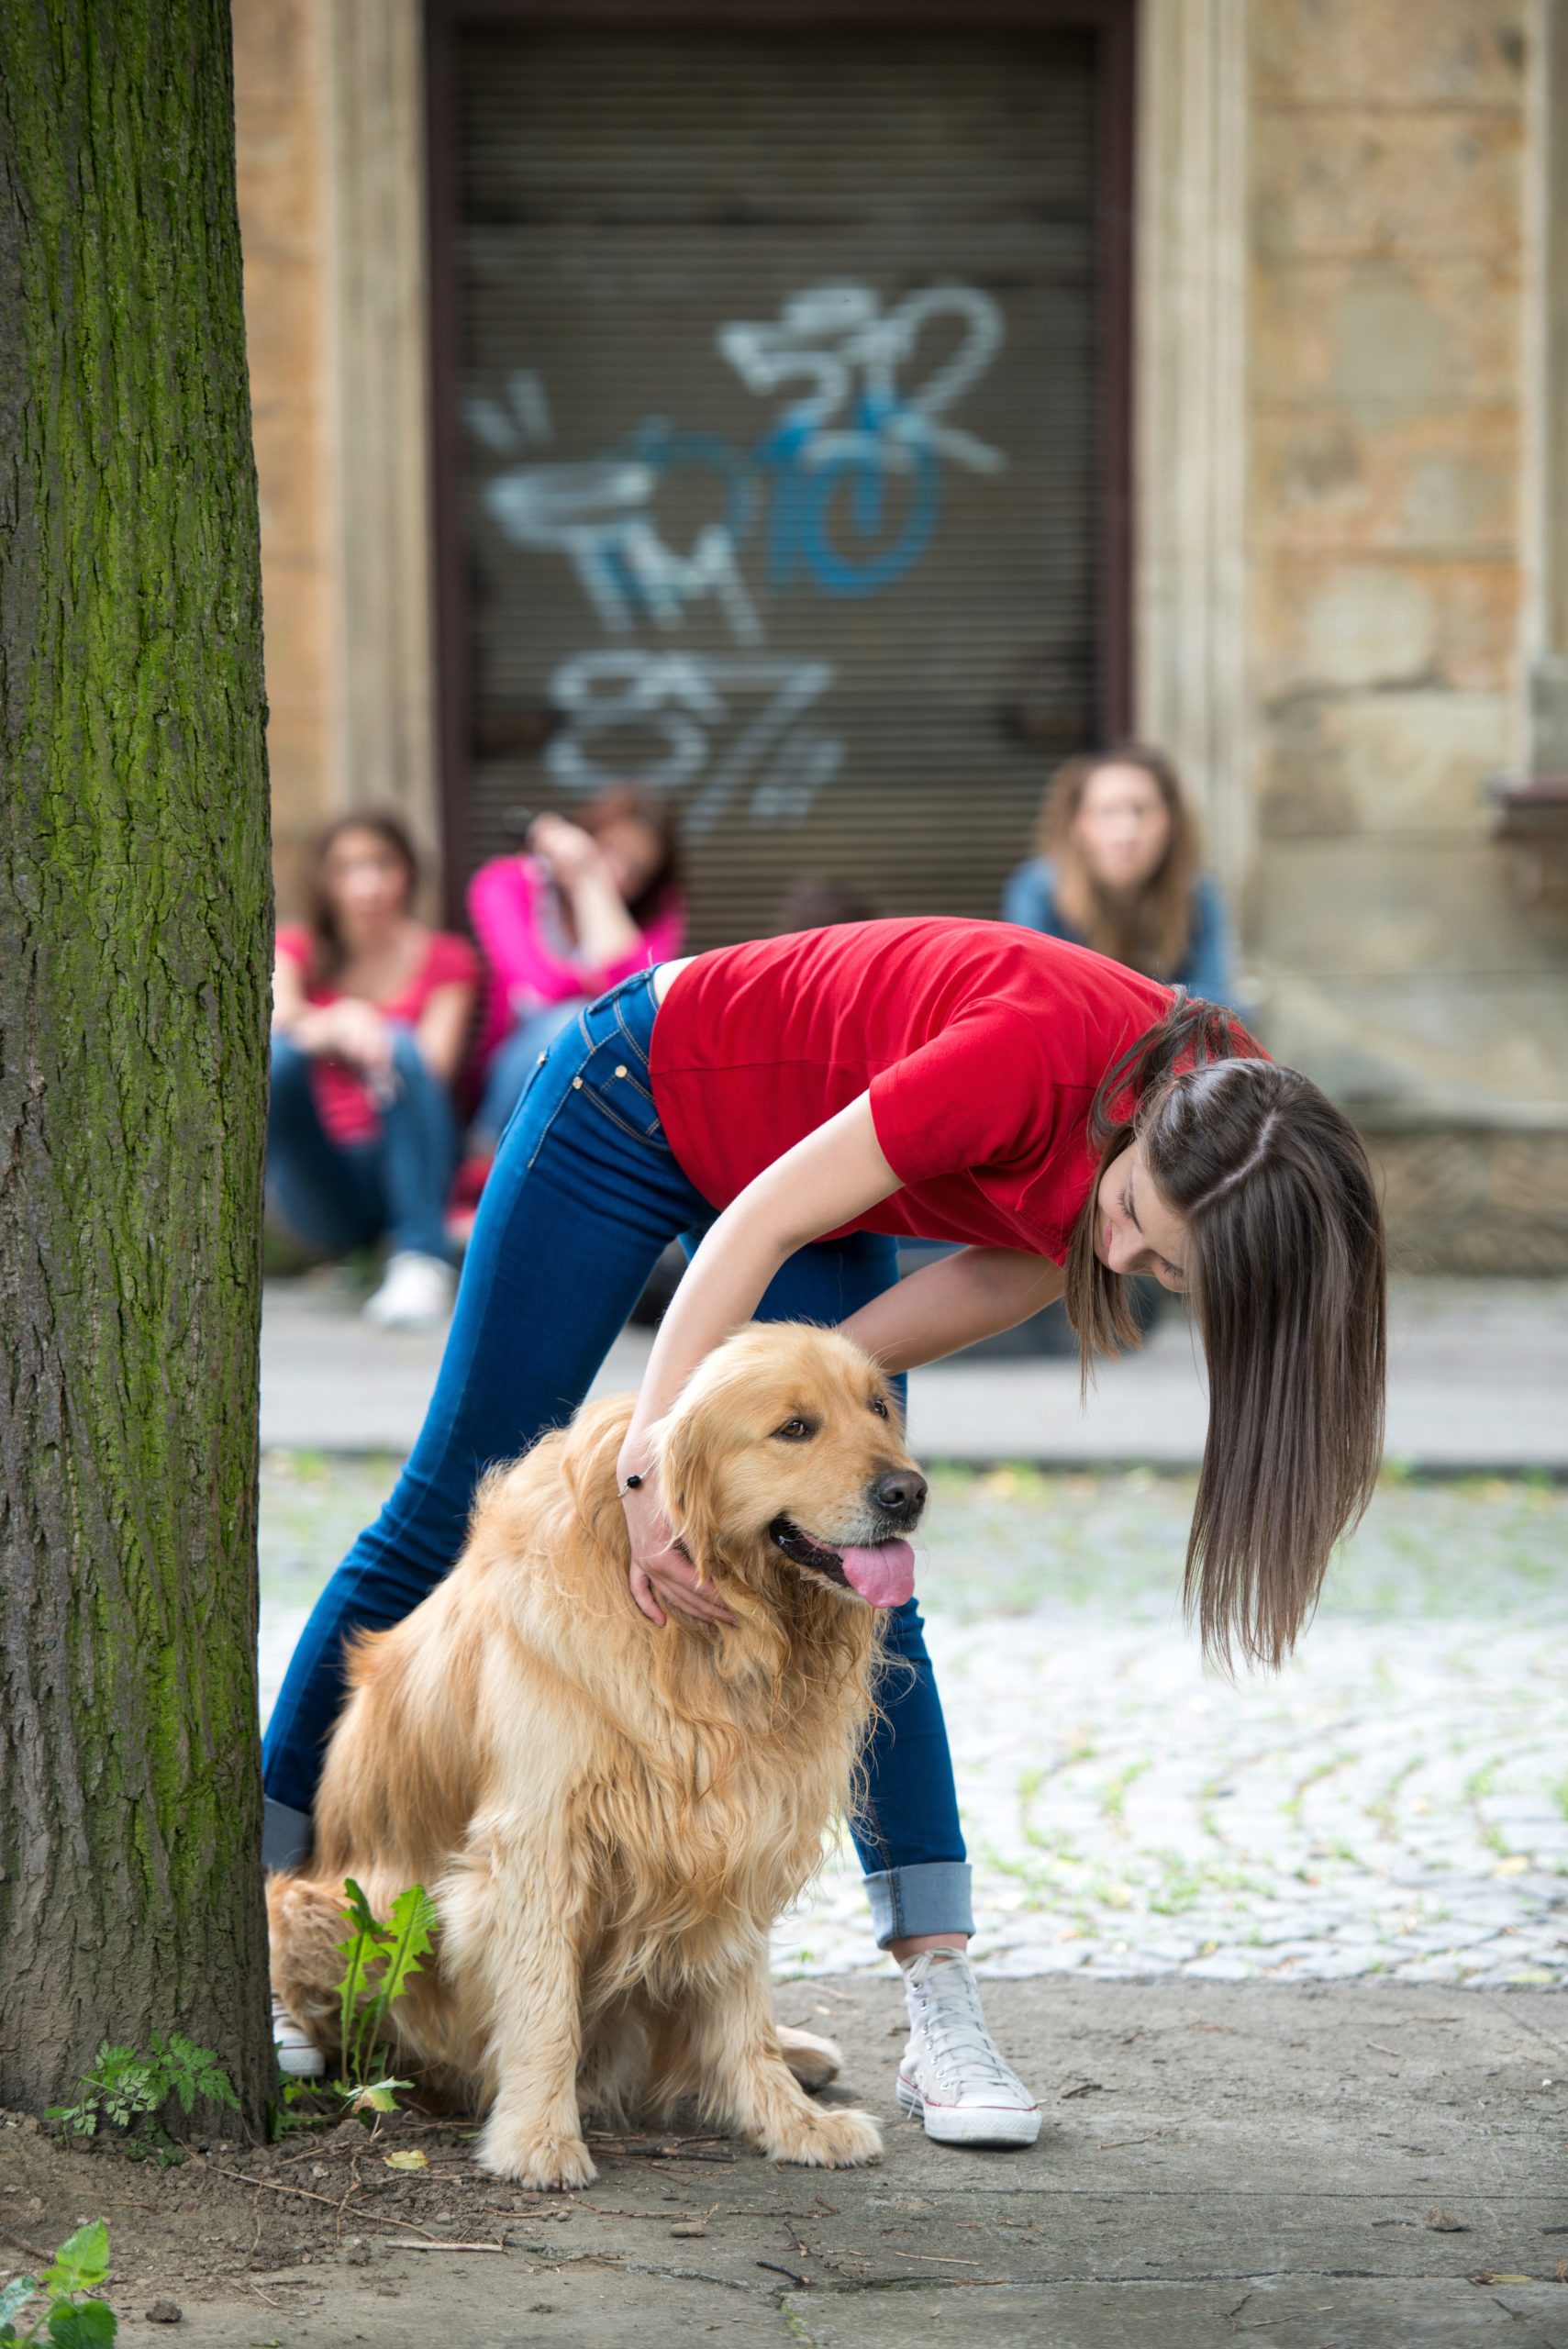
(784, 1456)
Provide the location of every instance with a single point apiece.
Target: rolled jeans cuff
(286, 1835)
(933, 1896)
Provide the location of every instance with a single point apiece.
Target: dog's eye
(796, 1431)
(879, 1407)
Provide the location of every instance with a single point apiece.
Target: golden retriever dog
(611, 1816)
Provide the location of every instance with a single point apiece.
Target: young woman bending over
(790, 1109)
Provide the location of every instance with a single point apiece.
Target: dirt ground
(1327, 2167)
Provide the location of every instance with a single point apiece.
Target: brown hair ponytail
(1286, 1270)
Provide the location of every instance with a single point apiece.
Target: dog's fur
(612, 1816)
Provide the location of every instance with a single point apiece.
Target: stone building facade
(1348, 587)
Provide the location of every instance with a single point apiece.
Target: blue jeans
(339, 1196)
(517, 1056)
(584, 1195)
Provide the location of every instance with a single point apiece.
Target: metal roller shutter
(776, 364)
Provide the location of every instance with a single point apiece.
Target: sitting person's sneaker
(952, 2075)
(297, 2055)
(416, 1293)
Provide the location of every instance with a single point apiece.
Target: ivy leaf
(14, 2297)
(83, 2259)
(91, 2324)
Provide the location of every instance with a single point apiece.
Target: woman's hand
(573, 854)
(356, 1032)
(662, 1575)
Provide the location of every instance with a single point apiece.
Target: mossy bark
(135, 917)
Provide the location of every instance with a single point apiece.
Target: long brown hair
(1152, 932)
(327, 950)
(1286, 1265)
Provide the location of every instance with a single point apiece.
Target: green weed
(380, 1959)
(127, 2091)
(71, 2318)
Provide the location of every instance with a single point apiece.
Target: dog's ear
(686, 1446)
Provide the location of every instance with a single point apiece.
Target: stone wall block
(1456, 1046)
(1472, 1202)
(297, 638)
(1421, 331)
(275, 51)
(1369, 906)
(1389, 184)
(288, 472)
(1469, 52)
(283, 333)
(1341, 622)
(1377, 477)
(279, 183)
(1382, 763)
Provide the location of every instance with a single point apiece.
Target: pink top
(512, 904)
(343, 1100)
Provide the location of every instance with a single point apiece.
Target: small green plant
(380, 1959)
(127, 2091)
(71, 2318)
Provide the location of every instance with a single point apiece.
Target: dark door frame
(1115, 23)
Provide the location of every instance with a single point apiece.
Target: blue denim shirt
(1208, 970)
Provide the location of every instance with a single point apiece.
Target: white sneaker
(951, 2073)
(297, 2055)
(416, 1293)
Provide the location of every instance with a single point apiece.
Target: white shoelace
(945, 2012)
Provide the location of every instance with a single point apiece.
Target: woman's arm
(289, 1002)
(313, 1026)
(442, 1030)
(604, 926)
(835, 1175)
(954, 1303)
(606, 932)
(825, 1181)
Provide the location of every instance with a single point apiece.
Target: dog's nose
(901, 1492)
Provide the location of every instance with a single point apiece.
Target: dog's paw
(547, 2160)
(840, 2140)
(814, 2062)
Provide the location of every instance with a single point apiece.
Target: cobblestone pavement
(1394, 1802)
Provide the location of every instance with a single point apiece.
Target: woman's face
(1135, 1230)
(366, 880)
(632, 851)
(1122, 828)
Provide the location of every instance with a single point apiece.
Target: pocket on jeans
(627, 1104)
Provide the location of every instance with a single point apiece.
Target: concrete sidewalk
(1365, 2166)
(1479, 1384)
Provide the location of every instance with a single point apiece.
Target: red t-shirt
(982, 1045)
(343, 1100)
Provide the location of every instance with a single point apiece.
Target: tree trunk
(134, 904)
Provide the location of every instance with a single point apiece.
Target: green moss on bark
(135, 920)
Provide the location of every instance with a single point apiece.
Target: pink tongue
(884, 1576)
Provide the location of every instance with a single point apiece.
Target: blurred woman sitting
(1118, 870)
(583, 906)
(372, 1012)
